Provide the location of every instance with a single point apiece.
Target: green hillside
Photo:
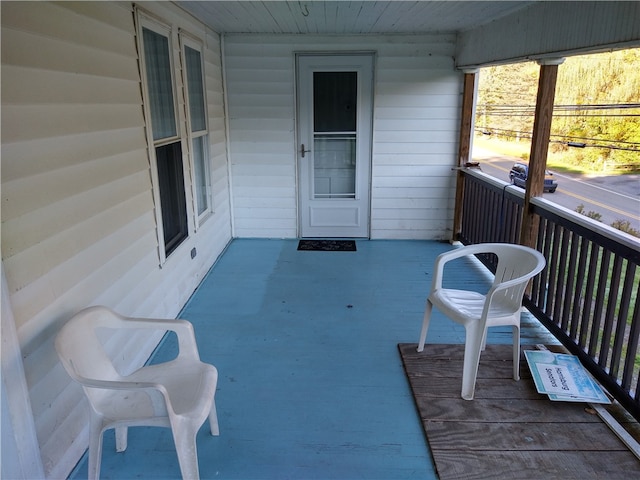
(596, 123)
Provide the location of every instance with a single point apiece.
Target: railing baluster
(599, 303)
(623, 313)
(538, 285)
(546, 251)
(591, 259)
(579, 314)
(560, 314)
(632, 350)
(573, 244)
(610, 316)
(553, 277)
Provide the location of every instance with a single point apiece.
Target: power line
(567, 139)
(564, 115)
(600, 115)
(581, 111)
(595, 139)
(560, 107)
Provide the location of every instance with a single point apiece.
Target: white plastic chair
(501, 305)
(178, 394)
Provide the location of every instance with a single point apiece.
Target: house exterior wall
(78, 219)
(415, 131)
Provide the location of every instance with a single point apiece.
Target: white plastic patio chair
(178, 394)
(501, 305)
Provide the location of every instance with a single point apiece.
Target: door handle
(303, 151)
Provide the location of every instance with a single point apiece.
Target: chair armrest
(156, 392)
(119, 384)
(187, 346)
(444, 258)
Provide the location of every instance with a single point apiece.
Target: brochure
(563, 378)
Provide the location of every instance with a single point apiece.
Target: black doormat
(328, 245)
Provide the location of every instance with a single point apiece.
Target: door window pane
(158, 68)
(334, 166)
(334, 101)
(195, 89)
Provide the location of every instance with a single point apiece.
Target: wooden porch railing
(587, 296)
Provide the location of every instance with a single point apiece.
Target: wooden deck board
(541, 436)
(509, 431)
(528, 465)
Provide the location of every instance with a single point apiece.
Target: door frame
(363, 179)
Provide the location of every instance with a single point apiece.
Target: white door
(334, 144)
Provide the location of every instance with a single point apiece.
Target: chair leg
(516, 352)
(425, 325)
(187, 450)
(95, 447)
(472, 350)
(484, 339)
(213, 420)
(121, 439)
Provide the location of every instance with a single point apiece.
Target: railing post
(464, 149)
(539, 146)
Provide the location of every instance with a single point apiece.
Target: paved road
(614, 197)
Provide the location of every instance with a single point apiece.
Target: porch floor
(311, 385)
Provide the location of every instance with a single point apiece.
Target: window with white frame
(198, 131)
(166, 148)
(175, 134)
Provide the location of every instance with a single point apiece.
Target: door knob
(303, 151)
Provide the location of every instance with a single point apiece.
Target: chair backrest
(515, 262)
(80, 350)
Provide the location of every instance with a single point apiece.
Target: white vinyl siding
(260, 79)
(78, 218)
(416, 119)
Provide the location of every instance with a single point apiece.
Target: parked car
(518, 176)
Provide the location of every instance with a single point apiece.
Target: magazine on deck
(563, 378)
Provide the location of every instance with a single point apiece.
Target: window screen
(195, 89)
(334, 101)
(159, 84)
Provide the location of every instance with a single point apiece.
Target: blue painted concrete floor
(311, 385)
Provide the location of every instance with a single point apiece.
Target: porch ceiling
(349, 17)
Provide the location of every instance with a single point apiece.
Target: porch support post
(464, 148)
(539, 146)
(21, 451)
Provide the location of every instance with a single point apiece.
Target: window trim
(187, 40)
